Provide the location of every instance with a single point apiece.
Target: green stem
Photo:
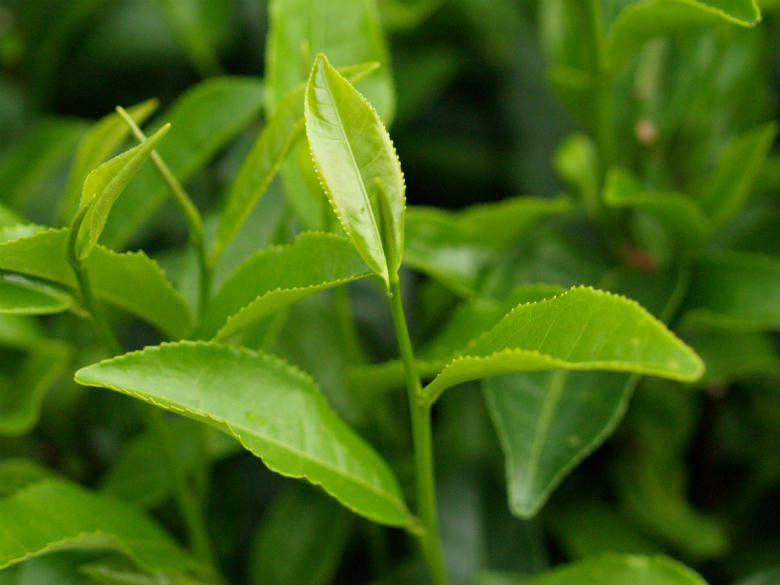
(188, 208)
(604, 89)
(430, 540)
(188, 506)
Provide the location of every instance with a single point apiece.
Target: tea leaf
(203, 120)
(727, 189)
(582, 329)
(639, 22)
(283, 130)
(130, 280)
(735, 290)
(99, 143)
(358, 166)
(272, 408)
(119, 571)
(22, 389)
(348, 31)
(454, 247)
(56, 514)
(18, 473)
(43, 149)
(608, 569)
(280, 275)
(307, 559)
(154, 485)
(103, 186)
(587, 528)
(194, 23)
(682, 216)
(24, 296)
(548, 422)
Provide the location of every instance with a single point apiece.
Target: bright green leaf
(582, 329)
(25, 296)
(102, 140)
(272, 408)
(358, 166)
(17, 474)
(280, 275)
(130, 281)
(611, 569)
(348, 31)
(203, 120)
(57, 514)
(639, 22)
(727, 189)
(735, 290)
(306, 558)
(103, 186)
(548, 422)
(282, 131)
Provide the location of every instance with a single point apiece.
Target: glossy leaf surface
(130, 280)
(57, 514)
(203, 120)
(280, 275)
(548, 422)
(582, 329)
(283, 130)
(609, 570)
(358, 166)
(276, 411)
(103, 186)
(100, 142)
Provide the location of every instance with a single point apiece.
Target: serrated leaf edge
(235, 350)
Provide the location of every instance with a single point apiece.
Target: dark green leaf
(22, 389)
(280, 556)
(727, 189)
(550, 421)
(735, 290)
(275, 410)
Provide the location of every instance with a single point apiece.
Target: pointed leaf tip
(351, 150)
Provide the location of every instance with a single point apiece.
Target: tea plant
(269, 338)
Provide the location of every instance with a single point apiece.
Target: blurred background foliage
(492, 102)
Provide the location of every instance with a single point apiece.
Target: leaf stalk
(430, 541)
